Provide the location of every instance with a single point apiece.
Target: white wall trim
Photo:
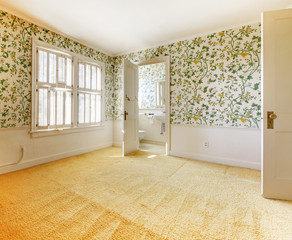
(50, 158)
(14, 128)
(216, 127)
(117, 144)
(52, 132)
(218, 160)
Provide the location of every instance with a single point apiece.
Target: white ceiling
(122, 26)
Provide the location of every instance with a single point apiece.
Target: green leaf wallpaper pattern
(15, 68)
(215, 79)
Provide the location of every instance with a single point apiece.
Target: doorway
(153, 103)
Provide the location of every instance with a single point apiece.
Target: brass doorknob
(272, 116)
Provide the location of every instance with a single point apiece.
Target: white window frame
(89, 91)
(74, 126)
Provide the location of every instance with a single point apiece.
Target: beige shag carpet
(100, 195)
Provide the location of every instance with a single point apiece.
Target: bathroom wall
(151, 126)
(16, 143)
(148, 76)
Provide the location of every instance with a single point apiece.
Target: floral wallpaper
(215, 79)
(148, 74)
(15, 68)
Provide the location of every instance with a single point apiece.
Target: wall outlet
(206, 144)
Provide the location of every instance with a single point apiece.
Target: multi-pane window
(89, 93)
(54, 92)
(67, 91)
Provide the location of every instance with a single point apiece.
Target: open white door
(277, 105)
(130, 118)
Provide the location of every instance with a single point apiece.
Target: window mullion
(35, 93)
(57, 70)
(96, 70)
(99, 108)
(89, 108)
(37, 107)
(84, 107)
(75, 91)
(47, 67)
(65, 73)
(49, 107)
(64, 108)
(72, 107)
(89, 98)
(56, 113)
(84, 83)
(95, 118)
(90, 78)
(77, 106)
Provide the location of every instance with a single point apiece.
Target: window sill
(61, 131)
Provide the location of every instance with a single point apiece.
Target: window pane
(43, 58)
(98, 79)
(93, 109)
(87, 108)
(52, 108)
(61, 69)
(60, 106)
(81, 76)
(68, 108)
(69, 72)
(88, 76)
(81, 108)
(52, 68)
(98, 108)
(43, 107)
(93, 77)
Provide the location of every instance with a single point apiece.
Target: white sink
(160, 117)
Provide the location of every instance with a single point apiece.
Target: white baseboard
(50, 158)
(117, 144)
(219, 160)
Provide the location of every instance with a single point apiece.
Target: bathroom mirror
(152, 86)
(160, 94)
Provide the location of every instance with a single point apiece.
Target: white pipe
(22, 150)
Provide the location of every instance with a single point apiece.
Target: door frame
(166, 60)
(274, 184)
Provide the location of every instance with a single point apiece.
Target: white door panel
(130, 118)
(277, 97)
